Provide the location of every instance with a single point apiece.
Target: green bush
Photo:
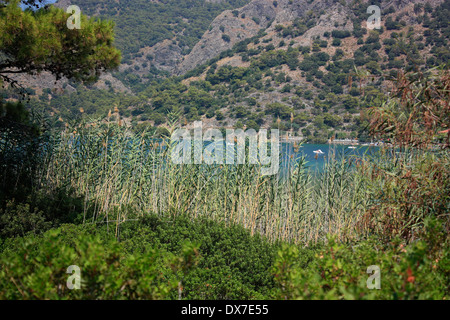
(339, 271)
(19, 219)
(35, 268)
(154, 259)
(226, 38)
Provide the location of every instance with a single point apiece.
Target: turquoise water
(290, 155)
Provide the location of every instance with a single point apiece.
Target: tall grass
(123, 176)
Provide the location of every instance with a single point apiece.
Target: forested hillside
(312, 68)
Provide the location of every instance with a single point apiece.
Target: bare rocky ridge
(166, 56)
(273, 22)
(235, 27)
(264, 12)
(336, 15)
(47, 80)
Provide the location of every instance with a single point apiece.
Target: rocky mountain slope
(241, 24)
(233, 26)
(263, 15)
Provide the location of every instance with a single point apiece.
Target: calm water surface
(290, 153)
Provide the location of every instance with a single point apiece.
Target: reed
(123, 176)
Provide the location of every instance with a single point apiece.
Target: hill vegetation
(316, 91)
(141, 23)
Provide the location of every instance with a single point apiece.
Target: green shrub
(339, 271)
(155, 259)
(336, 42)
(19, 219)
(36, 269)
(226, 38)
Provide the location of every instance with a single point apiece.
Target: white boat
(319, 151)
(352, 147)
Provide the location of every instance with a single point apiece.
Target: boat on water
(352, 147)
(318, 152)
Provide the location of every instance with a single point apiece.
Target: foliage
(156, 258)
(37, 269)
(80, 54)
(182, 259)
(115, 174)
(233, 264)
(414, 185)
(338, 271)
(404, 192)
(418, 114)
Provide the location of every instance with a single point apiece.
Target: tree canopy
(32, 41)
